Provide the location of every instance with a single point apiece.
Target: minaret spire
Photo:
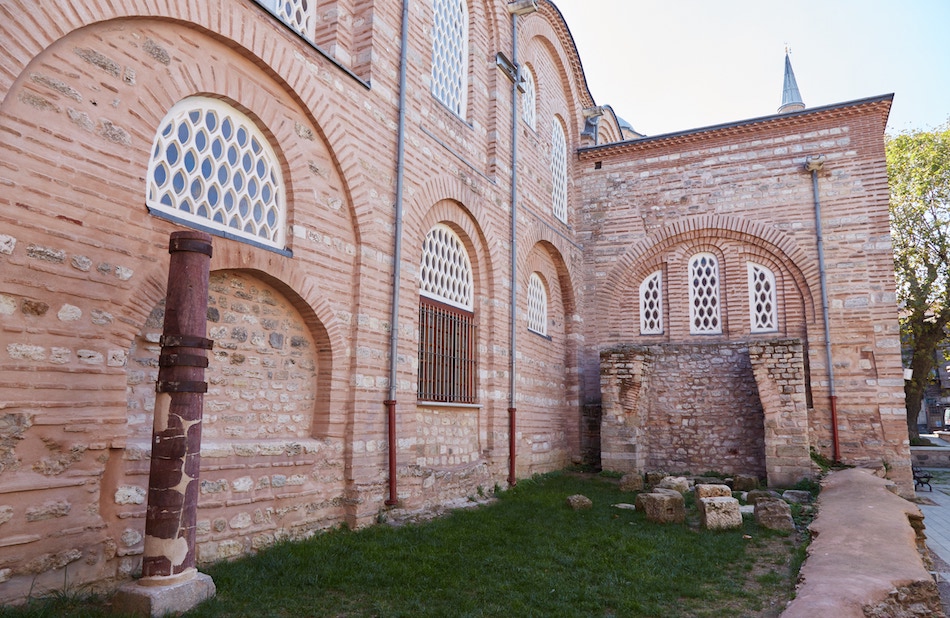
(791, 97)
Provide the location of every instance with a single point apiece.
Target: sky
(673, 65)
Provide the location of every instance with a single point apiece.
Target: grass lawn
(528, 554)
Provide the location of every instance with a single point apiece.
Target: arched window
(558, 171)
(763, 309)
(301, 15)
(651, 304)
(450, 53)
(537, 305)
(704, 303)
(212, 168)
(447, 332)
(529, 98)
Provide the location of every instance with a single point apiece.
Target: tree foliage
(918, 168)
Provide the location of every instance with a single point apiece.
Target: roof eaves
(789, 117)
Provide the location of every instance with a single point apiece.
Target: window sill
(444, 404)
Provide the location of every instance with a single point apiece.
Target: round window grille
(211, 166)
(446, 272)
(537, 305)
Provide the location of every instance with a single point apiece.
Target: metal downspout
(397, 255)
(813, 164)
(512, 351)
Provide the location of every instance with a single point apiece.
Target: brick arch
(449, 200)
(539, 257)
(251, 37)
(641, 258)
(266, 413)
(540, 238)
(550, 29)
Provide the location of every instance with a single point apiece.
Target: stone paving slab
(863, 554)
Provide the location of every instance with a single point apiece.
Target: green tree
(918, 168)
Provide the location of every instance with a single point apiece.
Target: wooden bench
(921, 478)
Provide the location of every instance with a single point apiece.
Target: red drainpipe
(393, 500)
(512, 446)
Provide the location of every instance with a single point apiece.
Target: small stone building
(564, 287)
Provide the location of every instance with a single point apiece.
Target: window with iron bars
(447, 360)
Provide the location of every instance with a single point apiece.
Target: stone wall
(779, 372)
(689, 408)
(733, 408)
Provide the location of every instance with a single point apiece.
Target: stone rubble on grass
(715, 501)
(663, 508)
(797, 496)
(743, 482)
(774, 514)
(719, 513)
(632, 481)
(711, 491)
(761, 494)
(624, 506)
(579, 502)
(678, 483)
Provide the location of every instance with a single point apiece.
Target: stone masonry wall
(700, 412)
(779, 373)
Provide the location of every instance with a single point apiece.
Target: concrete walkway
(937, 518)
(937, 515)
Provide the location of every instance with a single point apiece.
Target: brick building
(667, 290)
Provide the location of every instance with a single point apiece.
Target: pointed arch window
(763, 305)
(529, 98)
(447, 330)
(704, 301)
(537, 305)
(651, 304)
(212, 168)
(450, 53)
(559, 171)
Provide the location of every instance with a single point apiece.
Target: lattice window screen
(704, 302)
(529, 100)
(651, 304)
(446, 272)
(763, 309)
(450, 53)
(537, 305)
(212, 166)
(559, 171)
(301, 15)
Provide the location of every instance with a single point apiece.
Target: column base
(156, 601)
